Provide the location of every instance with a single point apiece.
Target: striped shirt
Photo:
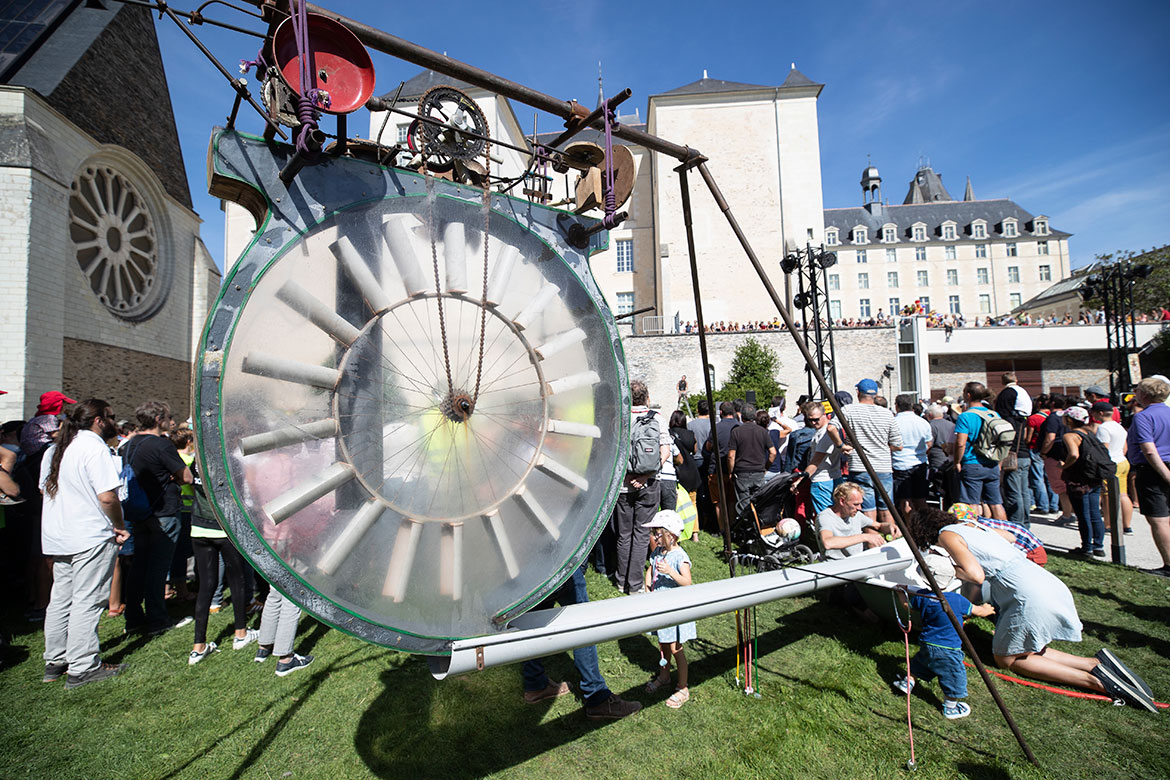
(876, 432)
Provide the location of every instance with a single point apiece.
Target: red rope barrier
(1062, 691)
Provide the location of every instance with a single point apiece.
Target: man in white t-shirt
(1112, 435)
(81, 528)
(824, 465)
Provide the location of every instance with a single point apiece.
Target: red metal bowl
(342, 64)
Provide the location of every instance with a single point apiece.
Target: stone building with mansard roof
(969, 256)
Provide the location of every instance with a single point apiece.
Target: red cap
(52, 401)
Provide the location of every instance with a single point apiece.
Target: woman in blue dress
(1035, 608)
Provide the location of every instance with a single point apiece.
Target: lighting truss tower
(1114, 284)
(810, 265)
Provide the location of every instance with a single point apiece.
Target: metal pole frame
(784, 314)
(713, 439)
(419, 55)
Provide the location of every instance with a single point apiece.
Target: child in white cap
(670, 567)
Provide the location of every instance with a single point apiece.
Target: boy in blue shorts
(940, 651)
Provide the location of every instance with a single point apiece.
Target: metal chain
(487, 216)
(430, 181)
(487, 196)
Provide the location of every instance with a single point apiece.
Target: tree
(754, 367)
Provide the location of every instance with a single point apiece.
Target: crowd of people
(996, 459)
(105, 517)
(934, 319)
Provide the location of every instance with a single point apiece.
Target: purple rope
(610, 195)
(310, 95)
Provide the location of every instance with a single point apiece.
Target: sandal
(677, 699)
(656, 683)
(115, 611)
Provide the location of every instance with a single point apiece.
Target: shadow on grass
(1151, 614)
(300, 696)
(419, 728)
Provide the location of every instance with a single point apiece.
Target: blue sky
(1062, 106)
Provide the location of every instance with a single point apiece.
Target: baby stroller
(759, 541)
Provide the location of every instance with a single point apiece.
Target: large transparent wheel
(422, 457)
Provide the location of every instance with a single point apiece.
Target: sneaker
(262, 653)
(1098, 552)
(1161, 571)
(6, 500)
(1114, 664)
(1119, 688)
(550, 691)
(214, 608)
(239, 643)
(196, 657)
(102, 672)
(612, 708)
(904, 684)
(291, 665)
(1129, 532)
(953, 710)
(54, 672)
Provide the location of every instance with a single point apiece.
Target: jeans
(746, 484)
(593, 686)
(278, 624)
(870, 498)
(154, 546)
(81, 590)
(668, 493)
(1087, 505)
(1017, 499)
(634, 509)
(1042, 493)
(979, 484)
(943, 662)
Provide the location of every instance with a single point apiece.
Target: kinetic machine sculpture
(412, 401)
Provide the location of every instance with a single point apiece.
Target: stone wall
(861, 353)
(125, 377)
(661, 360)
(1081, 368)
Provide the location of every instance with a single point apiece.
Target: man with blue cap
(878, 436)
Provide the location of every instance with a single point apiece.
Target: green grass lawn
(825, 708)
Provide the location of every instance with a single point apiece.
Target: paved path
(1140, 551)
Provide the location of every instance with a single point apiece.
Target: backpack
(644, 437)
(135, 503)
(1093, 465)
(686, 472)
(996, 436)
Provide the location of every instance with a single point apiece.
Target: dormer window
(860, 235)
(948, 231)
(831, 237)
(979, 229)
(918, 231)
(1041, 226)
(1009, 228)
(889, 234)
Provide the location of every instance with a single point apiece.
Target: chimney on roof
(704, 73)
